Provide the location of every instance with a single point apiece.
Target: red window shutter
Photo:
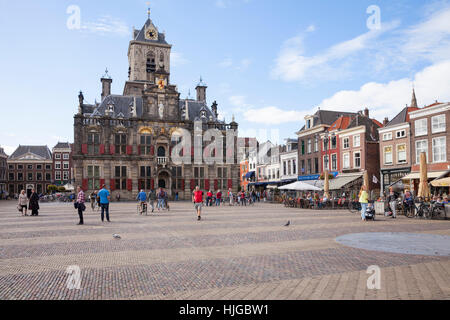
(84, 149)
(112, 149)
(192, 184)
(113, 184)
(129, 150)
(152, 150)
(139, 150)
(102, 182)
(182, 184)
(140, 184)
(192, 151)
(152, 184)
(85, 184)
(102, 149)
(216, 184)
(129, 185)
(230, 183)
(207, 184)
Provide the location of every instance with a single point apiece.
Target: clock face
(151, 34)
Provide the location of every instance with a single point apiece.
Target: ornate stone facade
(126, 141)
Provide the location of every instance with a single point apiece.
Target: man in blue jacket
(105, 197)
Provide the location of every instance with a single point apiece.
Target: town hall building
(125, 141)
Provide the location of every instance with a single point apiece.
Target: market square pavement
(234, 253)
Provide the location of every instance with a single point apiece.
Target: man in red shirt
(218, 198)
(197, 198)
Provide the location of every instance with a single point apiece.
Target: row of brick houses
(413, 131)
(36, 167)
(349, 144)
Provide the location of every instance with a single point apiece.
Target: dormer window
(111, 107)
(203, 114)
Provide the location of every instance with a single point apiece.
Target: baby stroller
(370, 212)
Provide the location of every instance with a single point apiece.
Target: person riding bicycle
(142, 197)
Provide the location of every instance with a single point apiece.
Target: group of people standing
(26, 204)
(103, 198)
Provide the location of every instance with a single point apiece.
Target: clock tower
(148, 59)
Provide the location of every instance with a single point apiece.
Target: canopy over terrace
(300, 186)
(445, 182)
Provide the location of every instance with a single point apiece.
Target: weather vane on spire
(148, 9)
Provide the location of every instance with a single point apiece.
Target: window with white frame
(57, 165)
(438, 124)
(421, 127)
(66, 175)
(357, 159)
(65, 156)
(316, 145)
(439, 150)
(388, 155)
(346, 161)
(57, 155)
(346, 143)
(58, 175)
(401, 153)
(334, 162)
(65, 165)
(421, 146)
(387, 136)
(401, 134)
(309, 145)
(357, 141)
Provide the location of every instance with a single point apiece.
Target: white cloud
(177, 59)
(268, 115)
(387, 50)
(273, 115)
(107, 25)
(387, 99)
(239, 101)
(311, 28)
(429, 39)
(293, 65)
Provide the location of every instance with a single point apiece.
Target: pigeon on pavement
(116, 236)
(288, 224)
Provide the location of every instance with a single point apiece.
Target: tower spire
(414, 100)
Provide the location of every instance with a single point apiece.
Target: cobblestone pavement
(233, 253)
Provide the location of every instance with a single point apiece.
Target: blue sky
(267, 62)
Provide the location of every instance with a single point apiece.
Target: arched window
(161, 152)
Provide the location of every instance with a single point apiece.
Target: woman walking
(23, 203)
(364, 201)
(34, 203)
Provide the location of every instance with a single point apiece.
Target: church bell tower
(148, 58)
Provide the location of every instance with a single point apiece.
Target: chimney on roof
(385, 121)
(106, 85)
(366, 112)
